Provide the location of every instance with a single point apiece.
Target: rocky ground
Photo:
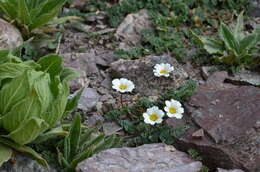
(223, 114)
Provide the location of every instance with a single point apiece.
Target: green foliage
(82, 143)
(30, 14)
(131, 119)
(195, 155)
(33, 98)
(234, 48)
(134, 53)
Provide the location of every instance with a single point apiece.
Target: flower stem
(121, 100)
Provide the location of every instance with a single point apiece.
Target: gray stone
(93, 120)
(140, 71)
(88, 99)
(229, 116)
(129, 31)
(10, 37)
(146, 158)
(222, 170)
(246, 76)
(111, 128)
(24, 164)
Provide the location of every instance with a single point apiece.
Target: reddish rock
(198, 134)
(140, 71)
(229, 116)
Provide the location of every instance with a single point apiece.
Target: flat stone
(247, 77)
(146, 158)
(88, 99)
(229, 116)
(89, 61)
(129, 31)
(140, 71)
(24, 164)
(10, 37)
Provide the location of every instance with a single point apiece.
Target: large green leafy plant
(33, 99)
(29, 15)
(233, 46)
(82, 143)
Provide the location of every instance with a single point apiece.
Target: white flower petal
(178, 116)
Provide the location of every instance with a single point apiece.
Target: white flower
(123, 85)
(174, 109)
(163, 69)
(153, 115)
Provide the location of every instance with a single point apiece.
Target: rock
(89, 62)
(10, 37)
(146, 158)
(129, 31)
(222, 170)
(24, 164)
(247, 77)
(79, 4)
(110, 128)
(255, 12)
(140, 71)
(229, 116)
(88, 99)
(198, 134)
(93, 120)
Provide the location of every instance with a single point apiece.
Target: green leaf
(212, 46)
(9, 9)
(24, 149)
(228, 38)
(13, 92)
(248, 42)
(74, 136)
(52, 64)
(4, 56)
(51, 134)
(69, 74)
(5, 154)
(23, 12)
(238, 33)
(28, 131)
(73, 102)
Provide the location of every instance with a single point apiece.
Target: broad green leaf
(51, 64)
(20, 112)
(12, 70)
(69, 74)
(57, 108)
(23, 12)
(238, 32)
(228, 38)
(9, 9)
(28, 131)
(74, 136)
(212, 46)
(3, 56)
(248, 42)
(13, 92)
(51, 134)
(24, 149)
(5, 154)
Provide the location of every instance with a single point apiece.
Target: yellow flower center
(172, 110)
(163, 71)
(153, 117)
(122, 87)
